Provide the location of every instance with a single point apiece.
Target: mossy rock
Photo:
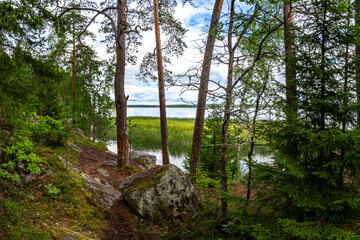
(163, 191)
(143, 160)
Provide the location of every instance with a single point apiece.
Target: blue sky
(195, 20)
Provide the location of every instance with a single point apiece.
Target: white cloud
(195, 20)
(150, 95)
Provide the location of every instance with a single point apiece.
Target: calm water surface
(176, 160)
(155, 112)
(172, 113)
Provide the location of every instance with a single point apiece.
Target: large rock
(142, 160)
(163, 191)
(104, 191)
(103, 172)
(80, 132)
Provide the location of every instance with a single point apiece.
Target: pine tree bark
(119, 87)
(73, 66)
(163, 123)
(357, 57)
(322, 66)
(290, 60)
(203, 89)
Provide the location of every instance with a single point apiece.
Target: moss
(133, 169)
(150, 181)
(26, 212)
(97, 145)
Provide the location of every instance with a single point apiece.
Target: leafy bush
(49, 131)
(18, 147)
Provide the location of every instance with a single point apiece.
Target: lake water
(172, 113)
(176, 160)
(155, 112)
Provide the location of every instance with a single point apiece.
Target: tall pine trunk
(290, 60)
(164, 135)
(119, 87)
(357, 57)
(322, 66)
(73, 66)
(203, 89)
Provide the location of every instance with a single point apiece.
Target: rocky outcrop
(102, 189)
(163, 191)
(103, 172)
(80, 132)
(109, 163)
(137, 159)
(26, 175)
(142, 160)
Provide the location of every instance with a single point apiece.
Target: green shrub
(18, 147)
(52, 191)
(49, 131)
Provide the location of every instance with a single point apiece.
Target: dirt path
(122, 223)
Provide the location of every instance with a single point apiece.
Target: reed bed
(144, 134)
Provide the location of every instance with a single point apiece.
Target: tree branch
(103, 12)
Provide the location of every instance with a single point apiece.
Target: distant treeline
(152, 106)
(168, 106)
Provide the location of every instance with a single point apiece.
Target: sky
(195, 20)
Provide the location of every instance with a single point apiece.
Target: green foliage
(172, 40)
(315, 230)
(49, 131)
(38, 78)
(312, 186)
(18, 148)
(52, 191)
(203, 225)
(211, 146)
(203, 184)
(317, 170)
(212, 142)
(144, 133)
(28, 211)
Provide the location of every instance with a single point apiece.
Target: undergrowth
(54, 205)
(250, 219)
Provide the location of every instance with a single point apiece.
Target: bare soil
(122, 222)
(241, 190)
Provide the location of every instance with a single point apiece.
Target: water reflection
(176, 160)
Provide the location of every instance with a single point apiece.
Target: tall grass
(144, 133)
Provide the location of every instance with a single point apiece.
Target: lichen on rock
(143, 160)
(163, 191)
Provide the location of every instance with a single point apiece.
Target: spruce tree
(316, 182)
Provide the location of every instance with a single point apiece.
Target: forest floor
(123, 224)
